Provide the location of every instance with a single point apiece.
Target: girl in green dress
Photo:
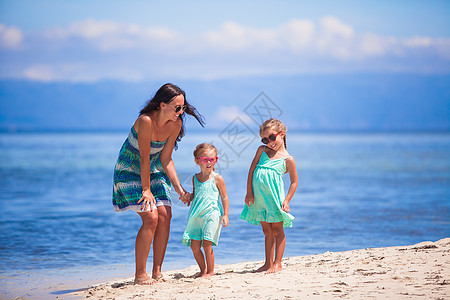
(206, 215)
(266, 203)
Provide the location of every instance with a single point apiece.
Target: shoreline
(400, 272)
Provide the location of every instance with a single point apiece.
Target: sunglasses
(272, 138)
(179, 108)
(205, 160)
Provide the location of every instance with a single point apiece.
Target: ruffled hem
(255, 217)
(137, 207)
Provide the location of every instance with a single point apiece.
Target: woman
(145, 171)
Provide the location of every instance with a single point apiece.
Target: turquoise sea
(357, 190)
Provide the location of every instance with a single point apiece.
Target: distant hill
(319, 102)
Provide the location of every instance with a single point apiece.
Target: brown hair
(276, 125)
(166, 94)
(203, 147)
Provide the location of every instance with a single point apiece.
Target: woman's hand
(186, 198)
(147, 199)
(225, 221)
(285, 207)
(249, 199)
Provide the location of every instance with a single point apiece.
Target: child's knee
(196, 246)
(207, 245)
(267, 230)
(278, 231)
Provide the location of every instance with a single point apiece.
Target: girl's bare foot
(143, 280)
(207, 275)
(274, 269)
(265, 267)
(160, 278)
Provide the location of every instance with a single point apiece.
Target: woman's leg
(269, 243)
(196, 247)
(161, 238)
(280, 245)
(143, 242)
(209, 254)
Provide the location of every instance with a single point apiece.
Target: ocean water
(357, 190)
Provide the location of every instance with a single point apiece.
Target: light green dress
(268, 193)
(205, 215)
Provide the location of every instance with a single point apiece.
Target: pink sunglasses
(205, 160)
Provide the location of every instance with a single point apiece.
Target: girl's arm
(220, 183)
(290, 167)
(191, 196)
(145, 127)
(249, 196)
(167, 162)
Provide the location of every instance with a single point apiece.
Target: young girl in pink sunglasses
(206, 215)
(266, 203)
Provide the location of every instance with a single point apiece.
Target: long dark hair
(165, 94)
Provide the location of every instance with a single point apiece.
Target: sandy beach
(401, 272)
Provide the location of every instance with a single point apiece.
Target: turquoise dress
(127, 189)
(205, 216)
(268, 193)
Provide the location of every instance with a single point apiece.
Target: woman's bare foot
(274, 269)
(265, 267)
(199, 274)
(158, 276)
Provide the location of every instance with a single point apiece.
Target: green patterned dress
(268, 193)
(127, 189)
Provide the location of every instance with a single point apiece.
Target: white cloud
(373, 45)
(76, 72)
(333, 27)
(232, 37)
(92, 29)
(92, 50)
(41, 72)
(10, 37)
(230, 113)
(297, 34)
(112, 36)
(335, 39)
(443, 48)
(418, 41)
(225, 115)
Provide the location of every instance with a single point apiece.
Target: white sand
(405, 272)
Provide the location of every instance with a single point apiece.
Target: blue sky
(400, 18)
(90, 41)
